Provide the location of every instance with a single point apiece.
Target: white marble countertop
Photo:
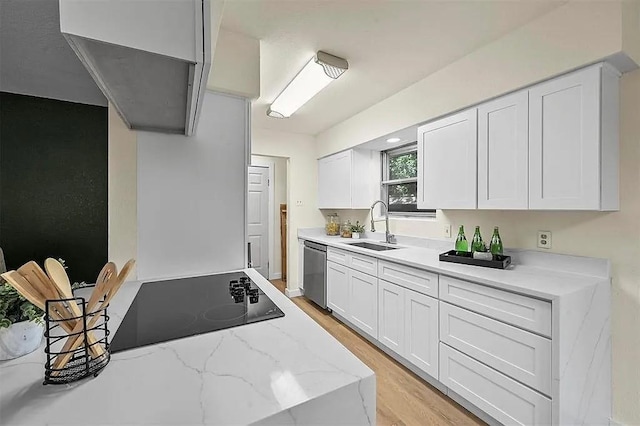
(543, 275)
(278, 371)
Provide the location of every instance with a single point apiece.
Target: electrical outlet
(544, 239)
(298, 203)
(447, 231)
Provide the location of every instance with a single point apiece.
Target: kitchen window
(400, 181)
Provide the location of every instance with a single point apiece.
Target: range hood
(150, 58)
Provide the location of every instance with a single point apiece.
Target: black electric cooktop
(172, 309)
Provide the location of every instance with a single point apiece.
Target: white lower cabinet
(354, 296)
(408, 325)
(363, 302)
(518, 353)
(421, 331)
(391, 316)
(501, 397)
(338, 288)
(489, 346)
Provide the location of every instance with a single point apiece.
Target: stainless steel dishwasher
(315, 273)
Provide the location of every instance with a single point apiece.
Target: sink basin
(372, 246)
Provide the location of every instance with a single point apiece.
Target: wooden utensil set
(53, 286)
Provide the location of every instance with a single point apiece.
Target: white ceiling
(389, 46)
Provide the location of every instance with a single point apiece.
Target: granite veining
(541, 275)
(284, 368)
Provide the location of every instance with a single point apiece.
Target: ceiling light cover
(393, 140)
(321, 70)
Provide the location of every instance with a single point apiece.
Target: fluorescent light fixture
(321, 70)
(393, 140)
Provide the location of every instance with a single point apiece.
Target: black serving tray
(499, 261)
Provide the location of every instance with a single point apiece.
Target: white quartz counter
(542, 275)
(281, 371)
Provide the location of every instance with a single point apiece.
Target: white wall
(279, 185)
(569, 37)
(236, 65)
(123, 190)
(302, 185)
(192, 194)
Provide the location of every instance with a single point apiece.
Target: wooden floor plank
(403, 399)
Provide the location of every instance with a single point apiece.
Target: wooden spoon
(61, 283)
(24, 287)
(106, 276)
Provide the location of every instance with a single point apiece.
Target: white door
(421, 331)
(447, 159)
(334, 181)
(363, 298)
(258, 218)
(338, 288)
(564, 142)
(391, 316)
(503, 152)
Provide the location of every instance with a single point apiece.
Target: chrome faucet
(389, 237)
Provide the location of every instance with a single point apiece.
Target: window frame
(385, 182)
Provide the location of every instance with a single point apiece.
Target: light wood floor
(403, 399)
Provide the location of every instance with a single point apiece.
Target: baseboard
(615, 423)
(275, 276)
(292, 293)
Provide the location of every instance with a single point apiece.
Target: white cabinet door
(421, 331)
(363, 302)
(334, 181)
(391, 316)
(519, 354)
(447, 162)
(338, 288)
(503, 156)
(564, 142)
(501, 397)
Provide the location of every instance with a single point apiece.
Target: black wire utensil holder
(83, 361)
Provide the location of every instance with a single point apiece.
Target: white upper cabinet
(447, 158)
(347, 180)
(573, 141)
(503, 143)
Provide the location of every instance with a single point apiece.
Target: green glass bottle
(496, 242)
(462, 246)
(477, 244)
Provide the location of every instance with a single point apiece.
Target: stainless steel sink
(372, 246)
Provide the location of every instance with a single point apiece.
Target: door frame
(271, 165)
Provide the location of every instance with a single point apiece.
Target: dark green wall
(53, 183)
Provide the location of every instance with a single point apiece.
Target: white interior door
(258, 218)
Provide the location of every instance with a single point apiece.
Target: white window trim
(385, 181)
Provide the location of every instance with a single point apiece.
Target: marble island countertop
(281, 371)
(543, 275)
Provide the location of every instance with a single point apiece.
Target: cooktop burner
(173, 309)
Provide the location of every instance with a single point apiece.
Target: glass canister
(345, 229)
(333, 224)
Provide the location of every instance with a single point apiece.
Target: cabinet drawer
(503, 398)
(337, 256)
(421, 281)
(519, 354)
(366, 264)
(522, 311)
